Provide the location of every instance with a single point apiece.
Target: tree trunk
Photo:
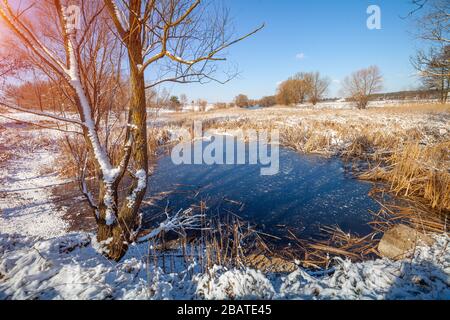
(110, 235)
(115, 245)
(118, 236)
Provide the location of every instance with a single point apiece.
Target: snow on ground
(38, 260)
(343, 104)
(433, 125)
(425, 276)
(25, 191)
(70, 267)
(197, 108)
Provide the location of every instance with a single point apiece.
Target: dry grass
(405, 147)
(421, 172)
(228, 242)
(73, 150)
(337, 243)
(414, 108)
(411, 213)
(401, 146)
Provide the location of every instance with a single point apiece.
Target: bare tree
(433, 64)
(317, 85)
(202, 105)
(294, 90)
(73, 56)
(286, 93)
(241, 101)
(434, 69)
(360, 85)
(433, 23)
(302, 86)
(179, 41)
(266, 102)
(183, 101)
(76, 57)
(10, 65)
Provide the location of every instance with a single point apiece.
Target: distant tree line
(422, 94)
(312, 87)
(362, 86)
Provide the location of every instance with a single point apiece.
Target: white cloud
(337, 81)
(300, 56)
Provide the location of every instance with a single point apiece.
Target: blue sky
(329, 36)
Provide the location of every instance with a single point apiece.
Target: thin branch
(181, 221)
(39, 125)
(41, 114)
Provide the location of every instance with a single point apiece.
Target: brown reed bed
(233, 242)
(410, 160)
(337, 243)
(72, 150)
(224, 242)
(414, 160)
(418, 172)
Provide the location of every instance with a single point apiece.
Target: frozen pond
(309, 191)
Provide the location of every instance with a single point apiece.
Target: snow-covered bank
(38, 260)
(70, 267)
(25, 192)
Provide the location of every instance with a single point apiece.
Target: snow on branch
(181, 221)
(40, 125)
(141, 177)
(118, 17)
(40, 114)
(109, 173)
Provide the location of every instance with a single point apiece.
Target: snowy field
(330, 125)
(70, 267)
(39, 260)
(341, 104)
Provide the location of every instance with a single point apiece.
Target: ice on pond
(309, 191)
